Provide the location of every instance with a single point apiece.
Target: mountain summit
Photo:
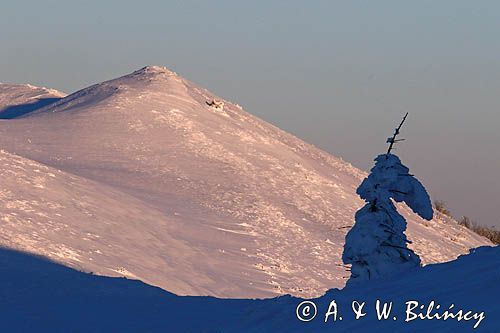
(152, 177)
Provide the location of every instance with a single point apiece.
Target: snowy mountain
(149, 176)
(19, 99)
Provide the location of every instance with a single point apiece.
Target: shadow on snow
(15, 111)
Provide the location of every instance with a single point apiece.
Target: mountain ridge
(19, 99)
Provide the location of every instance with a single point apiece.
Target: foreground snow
(41, 296)
(470, 283)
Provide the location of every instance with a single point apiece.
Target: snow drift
(43, 296)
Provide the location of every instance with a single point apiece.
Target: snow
(19, 99)
(171, 190)
(376, 245)
(42, 296)
(469, 283)
(396, 182)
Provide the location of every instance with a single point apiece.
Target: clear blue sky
(337, 74)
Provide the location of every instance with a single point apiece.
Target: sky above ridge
(337, 74)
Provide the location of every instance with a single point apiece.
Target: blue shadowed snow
(16, 111)
(376, 245)
(40, 296)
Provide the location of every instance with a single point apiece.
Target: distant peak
(29, 88)
(153, 70)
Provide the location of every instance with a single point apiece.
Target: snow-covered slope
(92, 227)
(258, 211)
(19, 99)
(470, 283)
(40, 296)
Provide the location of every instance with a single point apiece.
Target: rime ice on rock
(216, 104)
(376, 245)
